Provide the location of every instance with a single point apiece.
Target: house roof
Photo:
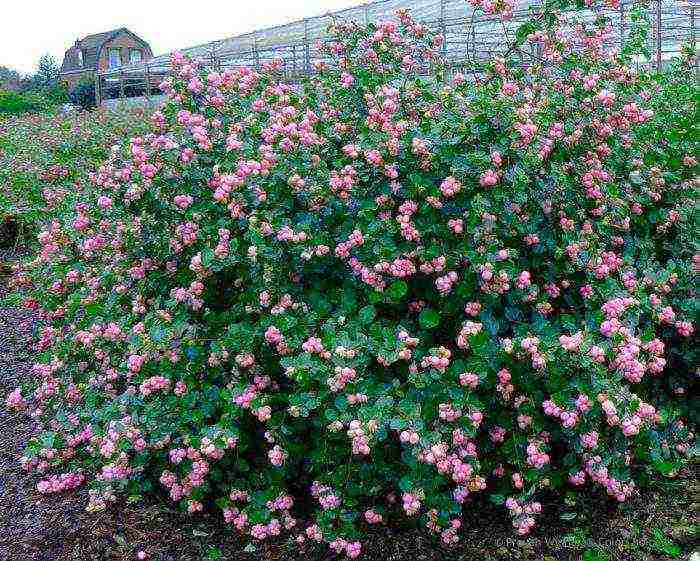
(91, 46)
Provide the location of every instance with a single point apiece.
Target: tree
(45, 81)
(83, 94)
(46, 76)
(9, 79)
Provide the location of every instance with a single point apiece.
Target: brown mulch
(660, 524)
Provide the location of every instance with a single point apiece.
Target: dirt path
(658, 525)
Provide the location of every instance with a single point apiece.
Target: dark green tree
(46, 76)
(9, 78)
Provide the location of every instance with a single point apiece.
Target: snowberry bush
(379, 293)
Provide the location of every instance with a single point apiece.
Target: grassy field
(47, 156)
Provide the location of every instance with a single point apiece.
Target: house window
(80, 57)
(135, 56)
(114, 58)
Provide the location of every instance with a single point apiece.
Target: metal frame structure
(468, 38)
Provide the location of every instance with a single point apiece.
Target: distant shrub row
(16, 103)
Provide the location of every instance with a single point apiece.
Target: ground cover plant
(33, 93)
(381, 293)
(19, 103)
(45, 159)
(14, 103)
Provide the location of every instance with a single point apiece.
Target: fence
(468, 38)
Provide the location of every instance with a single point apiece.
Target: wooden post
(307, 53)
(622, 25)
(98, 89)
(443, 26)
(148, 83)
(658, 35)
(215, 63)
(472, 33)
(256, 55)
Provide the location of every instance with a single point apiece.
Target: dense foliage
(83, 95)
(33, 93)
(15, 103)
(378, 291)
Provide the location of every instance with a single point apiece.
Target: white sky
(31, 28)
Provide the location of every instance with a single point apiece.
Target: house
(102, 51)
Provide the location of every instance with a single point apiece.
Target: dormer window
(135, 56)
(114, 58)
(80, 57)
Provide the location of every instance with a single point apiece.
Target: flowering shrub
(375, 293)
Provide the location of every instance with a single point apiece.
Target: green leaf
(524, 30)
(397, 290)
(497, 499)
(341, 402)
(367, 314)
(157, 333)
(376, 296)
(429, 318)
(666, 467)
